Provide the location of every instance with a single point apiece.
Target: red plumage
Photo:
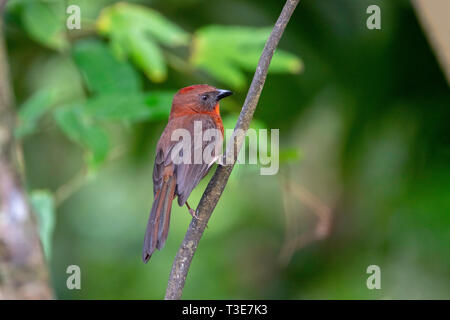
(197, 103)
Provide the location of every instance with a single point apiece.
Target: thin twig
(69, 188)
(218, 182)
(74, 184)
(295, 241)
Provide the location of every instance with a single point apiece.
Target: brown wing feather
(158, 222)
(170, 180)
(189, 175)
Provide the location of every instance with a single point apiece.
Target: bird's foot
(193, 213)
(224, 161)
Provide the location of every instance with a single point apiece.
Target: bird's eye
(204, 97)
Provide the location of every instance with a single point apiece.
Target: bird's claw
(224, 161)
(193, 213)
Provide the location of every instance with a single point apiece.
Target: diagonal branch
(213, 192)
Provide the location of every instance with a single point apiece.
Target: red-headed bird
(194, 104)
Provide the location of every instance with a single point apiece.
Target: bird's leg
(191, 211)
(223, 161)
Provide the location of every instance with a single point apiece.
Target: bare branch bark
(218, 182)
(2, 6)
(433, 15)
(23, 272)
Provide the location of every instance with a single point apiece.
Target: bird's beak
(223, 93)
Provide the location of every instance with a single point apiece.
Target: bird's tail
(158, 222)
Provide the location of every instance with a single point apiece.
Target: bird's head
(200, 98)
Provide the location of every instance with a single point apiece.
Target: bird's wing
(162, 160)
(188, 175)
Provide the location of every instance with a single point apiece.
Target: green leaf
(135, 17)
(45, 24)
(290, 155)
(135, 31)
(32, 110)
(147, 56)
(62, 77)
(44, 208)
(102, 71)
(117, 106)
(230, 120)
(239, 49)
(130, 107)
(160, 103)
(82, 130)
(285, 62)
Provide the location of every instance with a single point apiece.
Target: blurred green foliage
(114, 87)
(223, 50)
(73, 122)
(362, 127)
(101, 71)
(43, 205)
(45, 23)
(134, 31)
(32, 110)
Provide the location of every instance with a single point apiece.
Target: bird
(195, 104)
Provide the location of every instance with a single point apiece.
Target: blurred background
(364, 146)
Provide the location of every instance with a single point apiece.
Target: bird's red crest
(193, 87)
